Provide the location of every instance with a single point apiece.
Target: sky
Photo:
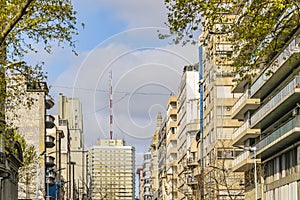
(122, 37)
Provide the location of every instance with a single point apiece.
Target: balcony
(172, 113)
(243, 104)
(192, 162)
(49, 142)
(172, 150)
(281, 138)
(192, 180)
(283, 101)
(49, 121)
(243, 133)
(49, 103)
(281, 66)
(243, 162)
(49, 161)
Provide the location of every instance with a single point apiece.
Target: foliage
(28, 171)
(25, 27)
(257, 29)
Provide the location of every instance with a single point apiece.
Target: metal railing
(295, 122)
(243, 156)
(278, 98)
(241, 129)
(243, 98)
(292, 48)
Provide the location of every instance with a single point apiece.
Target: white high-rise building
(188, 123)
(111, 167)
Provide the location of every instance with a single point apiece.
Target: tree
(28, 170)
(23, 25)
(258, 30)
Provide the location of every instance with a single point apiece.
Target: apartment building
(154, 159)
(139, 172)
(146, 177)
(162, 160)
(187, 126)
(70, 109)
(215, 150)
(111, 166)
(171, 148)
(269, 109)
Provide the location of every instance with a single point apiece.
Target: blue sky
(120, 36)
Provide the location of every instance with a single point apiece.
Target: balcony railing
(276, 64)
(243, 156)
(240, 101)
(241, 129)
(278, 133)
(192, 161)
(278, 98)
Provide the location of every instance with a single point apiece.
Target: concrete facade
(269, 109)
(154, 159)
(187, 126)
(111, 167)
(70, 109)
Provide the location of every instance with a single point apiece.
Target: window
(224, 92)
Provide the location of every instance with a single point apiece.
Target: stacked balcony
(243, 162)
(192, 181)
(280, 138)
(283, 101)
(279, 69)
(192, 162)
(244, 133)
(243, 104)
(49, 142)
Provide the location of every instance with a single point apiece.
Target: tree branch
(7, 29)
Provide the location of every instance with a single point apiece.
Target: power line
(107, 91)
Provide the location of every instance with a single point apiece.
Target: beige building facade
(111, 167)
(70, 109)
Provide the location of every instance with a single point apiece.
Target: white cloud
(143, 78)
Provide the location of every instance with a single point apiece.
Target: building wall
(71, 110)
(154, 159)
(269, 109)
(146, 176)
(188, 124)
(112, 170)
(171, 148)
(30, 123)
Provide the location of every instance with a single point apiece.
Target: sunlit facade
(111, 167)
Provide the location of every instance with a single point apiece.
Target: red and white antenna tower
(110, 106)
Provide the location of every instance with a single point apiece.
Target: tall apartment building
(70, 109)
(154, 159)
(146, 177)
(188, 125)
(162, 160)
(218, 126)
(139, 172)
(171, 148)
(269, 109)
(111, 167)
